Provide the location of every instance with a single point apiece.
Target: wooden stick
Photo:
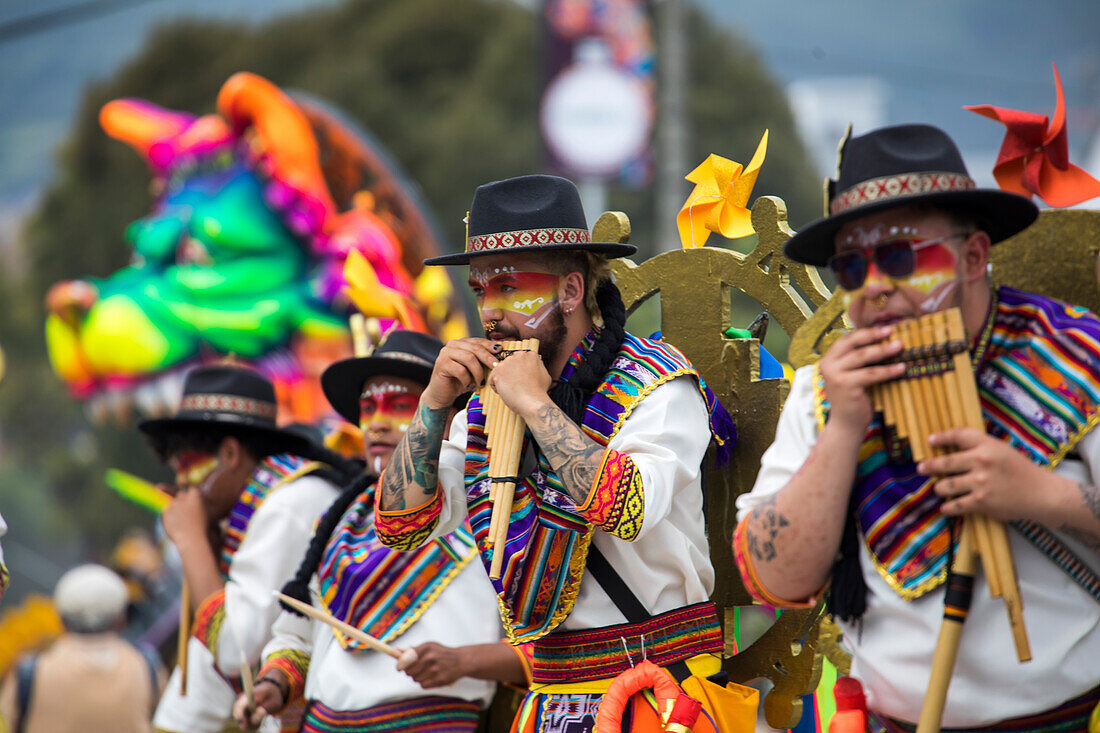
(947, 646)
(246, 685)
(404, 657)
(184, 634)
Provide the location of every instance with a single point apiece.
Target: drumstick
(184, 634)
(405, 657)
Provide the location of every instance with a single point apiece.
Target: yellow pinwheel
(376, 300)
(720, 200)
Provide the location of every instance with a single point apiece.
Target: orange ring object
(609, 716)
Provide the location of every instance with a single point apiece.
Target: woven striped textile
(271, 473)
(418, 715)
(379, 590)
(548, 535)
(1037, 363)
(593, 654)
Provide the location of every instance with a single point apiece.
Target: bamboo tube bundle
(938, 391)
(504, 440)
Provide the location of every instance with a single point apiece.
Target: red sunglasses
(895, 258)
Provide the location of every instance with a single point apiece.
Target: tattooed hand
(461, 367)
(522, 382)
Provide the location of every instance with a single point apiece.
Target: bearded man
(908, 233)
(605, 542)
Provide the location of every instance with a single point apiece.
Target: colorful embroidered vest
(271, 473)
(548, 540)
(379, 590)
(1037, 363)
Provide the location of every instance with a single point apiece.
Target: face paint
(388, 404)
(531, 295)
(194, 468)
(936, 274)
(934, 264)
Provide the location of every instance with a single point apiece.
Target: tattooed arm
(573, 455)
(411, 477)
(792, 521)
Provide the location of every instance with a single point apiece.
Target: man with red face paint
(605, 544)
(409, 599)
(839, 495)
(246, 498)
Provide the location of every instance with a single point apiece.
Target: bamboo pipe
(956, 607)
(507, 449)
(405, 657)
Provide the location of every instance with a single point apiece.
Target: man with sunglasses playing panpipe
(838, 495)
(605, 540)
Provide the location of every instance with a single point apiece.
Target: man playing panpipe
(247, 495)
(908, 234)
(605, 543)
(417, 599)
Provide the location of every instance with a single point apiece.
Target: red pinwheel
(1034, 157)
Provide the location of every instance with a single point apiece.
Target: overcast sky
(931, 58)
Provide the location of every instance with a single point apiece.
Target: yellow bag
(732, 708)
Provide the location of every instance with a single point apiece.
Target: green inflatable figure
(243, 254)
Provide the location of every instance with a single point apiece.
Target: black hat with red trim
(528, 214)
(230, 396)
(407, 354)
(905, 165)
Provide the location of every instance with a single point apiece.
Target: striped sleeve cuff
(616, 501)
(407, 529)
(756, 589)
(292, 665)
(208, 620)
(526, 655)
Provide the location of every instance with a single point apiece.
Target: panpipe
(504, 441)
(938, 391)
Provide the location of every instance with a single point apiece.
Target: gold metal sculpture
(695, 310)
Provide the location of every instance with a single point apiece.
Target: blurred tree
(450, 86)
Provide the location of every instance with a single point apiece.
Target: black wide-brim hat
(407, 354)
(233, 397)
(528, 214)
(905, 165)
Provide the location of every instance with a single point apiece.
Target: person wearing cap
(606, 543)
(247, 496)
(89, 679)
(908, 233)
(408, 599)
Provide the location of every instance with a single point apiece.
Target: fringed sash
(1037, 364)
(379, 590)
(547, 543)
(272, 472)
